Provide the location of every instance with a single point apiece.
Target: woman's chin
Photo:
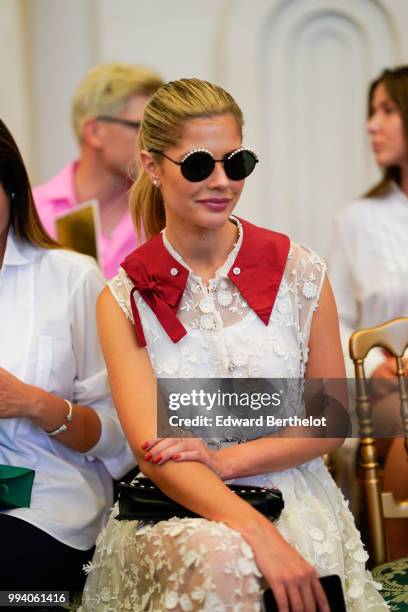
(214, 219)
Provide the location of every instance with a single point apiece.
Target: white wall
(298, 68)
(15, 99)
(61, 47)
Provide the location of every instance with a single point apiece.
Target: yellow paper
(78, 229)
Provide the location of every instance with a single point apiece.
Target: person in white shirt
(56, 412)
(369, 264)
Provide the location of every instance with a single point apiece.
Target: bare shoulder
(116, 332)
(107, 306)
(105, 300)
(327, 302)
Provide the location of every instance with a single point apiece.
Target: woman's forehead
(210, 131)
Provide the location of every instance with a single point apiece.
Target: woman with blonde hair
(213, 296)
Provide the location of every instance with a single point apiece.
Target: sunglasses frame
(126, 122)
(227, 157)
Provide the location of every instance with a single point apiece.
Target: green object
(16, 484)
(393, 577)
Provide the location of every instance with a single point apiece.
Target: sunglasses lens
(240, 165)
(197, 166)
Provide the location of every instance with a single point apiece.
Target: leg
(33, 560)
(188, 564)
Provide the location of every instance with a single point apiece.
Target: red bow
(154, 295)
(160, 281)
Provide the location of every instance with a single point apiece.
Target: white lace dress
(197, 564)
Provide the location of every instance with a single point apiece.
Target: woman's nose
(373, 124)
(218, 178)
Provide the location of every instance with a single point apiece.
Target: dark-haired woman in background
(56, 415)
(369, 264)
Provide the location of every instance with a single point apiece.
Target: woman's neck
(203, 250)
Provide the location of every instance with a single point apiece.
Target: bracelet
(62, 427)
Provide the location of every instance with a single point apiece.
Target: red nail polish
(145, 445)
(148, 456)
(176, 456)
(157, 459)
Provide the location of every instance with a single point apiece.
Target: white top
(225, 336)
(48, 338)
(368, 266)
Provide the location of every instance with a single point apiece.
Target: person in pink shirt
(106, 112)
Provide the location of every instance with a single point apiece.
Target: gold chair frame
(393, 336)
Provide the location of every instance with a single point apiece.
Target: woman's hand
(16, 397)
(160, 450)
(293, 580)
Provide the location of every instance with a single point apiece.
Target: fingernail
(148, 457)
(157, 459)
(145, 445)
(176, 456)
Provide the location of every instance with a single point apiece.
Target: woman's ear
(150, 165)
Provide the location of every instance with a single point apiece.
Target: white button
(236, 270)
(174, 271)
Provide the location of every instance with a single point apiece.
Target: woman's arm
(48, 411)
(192, 483)
(278, 453)
(94, 428)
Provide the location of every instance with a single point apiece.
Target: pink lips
(215, 204)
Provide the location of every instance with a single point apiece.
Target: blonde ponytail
(146, 206)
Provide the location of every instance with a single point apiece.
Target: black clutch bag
(141, 500)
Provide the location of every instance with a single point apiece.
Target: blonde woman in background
(211, 295)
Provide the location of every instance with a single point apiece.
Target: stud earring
(156, 182)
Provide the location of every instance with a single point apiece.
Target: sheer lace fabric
(196, 564)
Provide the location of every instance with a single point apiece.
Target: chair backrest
(393, 336)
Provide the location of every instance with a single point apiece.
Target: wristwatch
(62, 427)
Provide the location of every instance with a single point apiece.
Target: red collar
(160, 279)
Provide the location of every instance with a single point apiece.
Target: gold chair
(393, 336)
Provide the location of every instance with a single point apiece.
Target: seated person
(56, 412)
(369, 271)
(106, 112)
(210, 295)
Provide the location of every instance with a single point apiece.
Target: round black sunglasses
(197, 165)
